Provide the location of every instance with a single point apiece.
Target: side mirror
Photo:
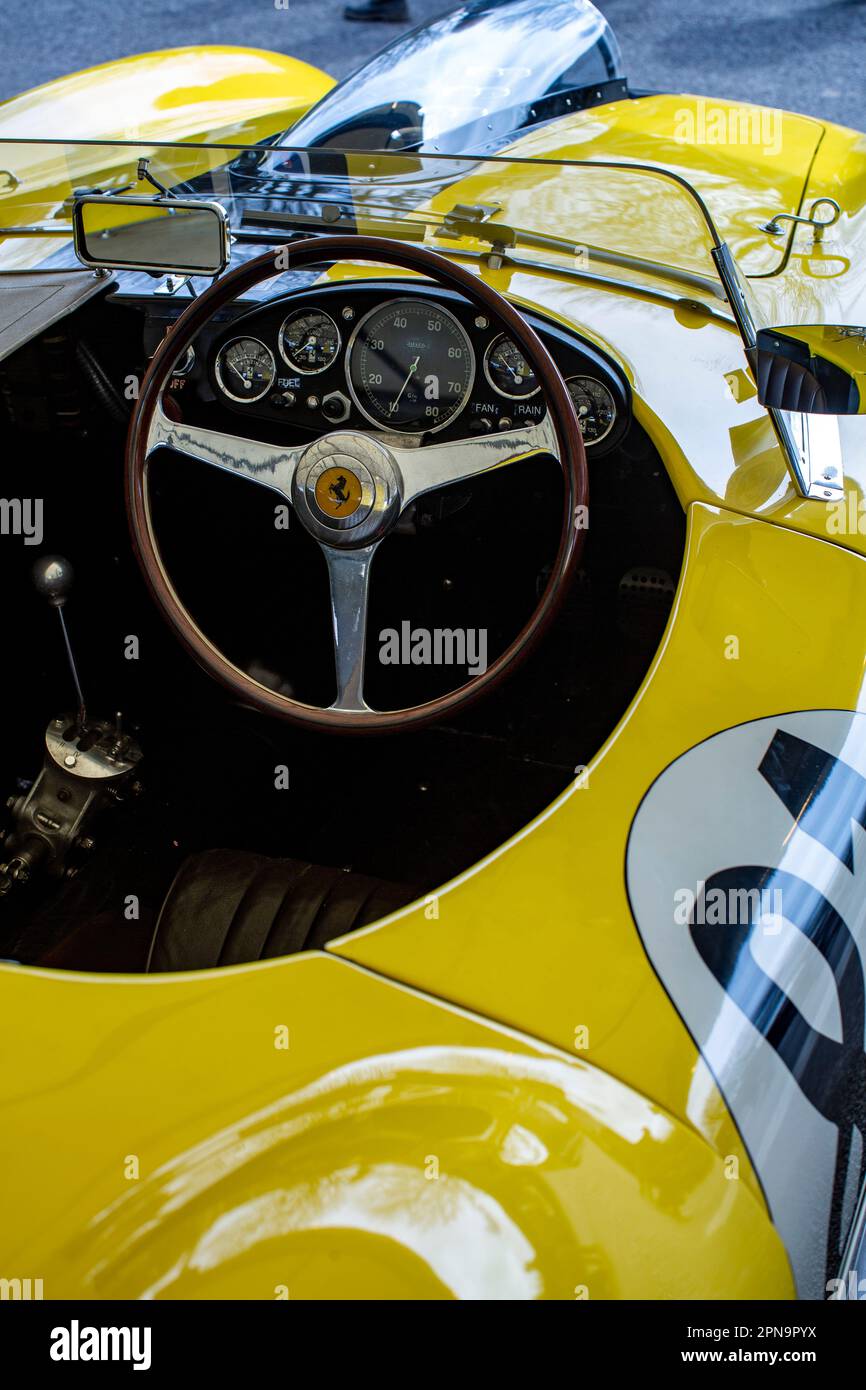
(160, 235)
(815, 369)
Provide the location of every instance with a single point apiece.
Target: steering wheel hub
(347, 489)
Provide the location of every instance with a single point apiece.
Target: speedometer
(410, 366)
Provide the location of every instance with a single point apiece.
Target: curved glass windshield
(508, 67)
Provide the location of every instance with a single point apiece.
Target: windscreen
(620, 221)
(508, 67)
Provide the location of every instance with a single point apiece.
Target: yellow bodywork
(347, 1123)
(306, 1130)
(191, 96)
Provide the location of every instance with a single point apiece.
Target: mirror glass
(171, 235)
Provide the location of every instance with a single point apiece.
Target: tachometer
(595, 406)
(410, 366)
(508, 371)
(245, 369)
(309, 341)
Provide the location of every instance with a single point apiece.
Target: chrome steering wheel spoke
(436, 465)
(267, 464)
(349, 578)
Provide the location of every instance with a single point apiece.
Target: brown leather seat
(226, 907)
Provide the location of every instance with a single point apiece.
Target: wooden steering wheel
(384, 480)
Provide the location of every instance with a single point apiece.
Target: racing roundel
(746, 873)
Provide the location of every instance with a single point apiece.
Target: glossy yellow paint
(307, 1169)
(747, 162)
(717, 441)
(824, 281)
(191, 95)
(540, 935)
(158, 1140)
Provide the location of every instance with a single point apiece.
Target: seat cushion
(226, 907)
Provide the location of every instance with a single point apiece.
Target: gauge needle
(412, 370)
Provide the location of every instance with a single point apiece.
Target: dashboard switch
(336, 407)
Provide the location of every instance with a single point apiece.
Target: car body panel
(824, 281)
(541, 935)
(194, 95)
(393, 1147)
(405, 1140)
(744, 181)
(717, 441)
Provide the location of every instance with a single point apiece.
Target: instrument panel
(406, 360)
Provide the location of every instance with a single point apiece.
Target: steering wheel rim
(150, 429)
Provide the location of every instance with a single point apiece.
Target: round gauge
(410, 366)
(245, 369)
(595, 406)
(508, 371)
(309, 341)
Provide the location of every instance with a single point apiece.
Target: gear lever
(53, 577)
(86, 768)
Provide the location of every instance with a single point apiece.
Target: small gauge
(595, 406)
(508, 371)
(309, 341)
(245, 369)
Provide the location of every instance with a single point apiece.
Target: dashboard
(408, 359)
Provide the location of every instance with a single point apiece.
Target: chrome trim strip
(436, 465)
(607, 282)
(349, 581)
(267, 464)
(813, 448)
(734, 292)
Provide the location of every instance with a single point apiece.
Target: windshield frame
(734, 284)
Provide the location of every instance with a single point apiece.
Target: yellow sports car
(434, 723)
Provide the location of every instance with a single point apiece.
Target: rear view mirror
(817, 369)
(160, 235)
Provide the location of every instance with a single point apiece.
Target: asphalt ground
(804, 55)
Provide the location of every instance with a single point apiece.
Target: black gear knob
(52, 578)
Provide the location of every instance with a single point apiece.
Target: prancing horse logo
(338, 492)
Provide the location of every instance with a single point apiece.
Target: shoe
(391, 11)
